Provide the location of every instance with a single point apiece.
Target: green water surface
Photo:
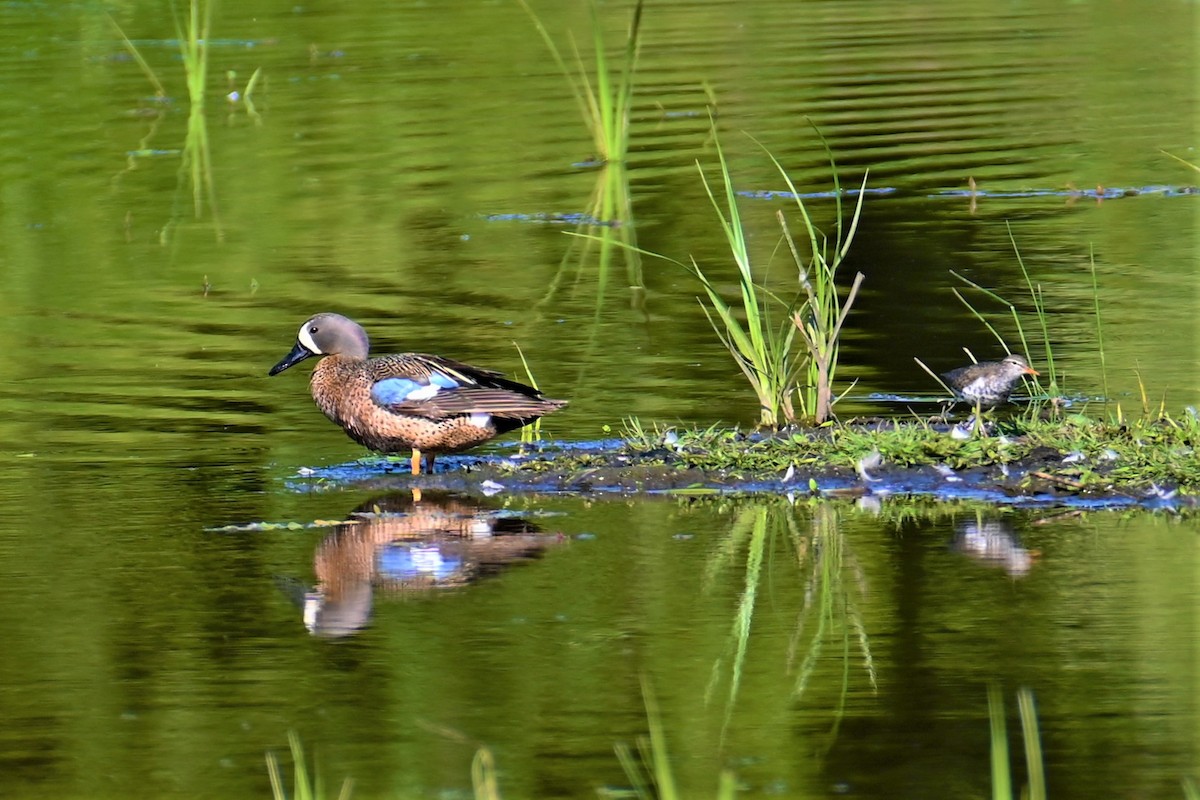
(409, 165)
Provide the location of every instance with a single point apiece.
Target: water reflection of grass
(1002, 780)
(649, 769)
(606, 226)
(193, 38)
(834, 612)
(195, 170)
(604, 103)
(828, 614)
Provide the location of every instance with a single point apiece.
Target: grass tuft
(649, 770)
(1002, 780)
(764, 348)
(303, 788)
(821, 317)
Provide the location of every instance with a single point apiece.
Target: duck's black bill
(298, 354)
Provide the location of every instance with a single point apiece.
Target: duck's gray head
(326, 335)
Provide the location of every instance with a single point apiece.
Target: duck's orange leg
(416, 461)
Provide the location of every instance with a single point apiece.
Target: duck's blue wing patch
(394, 391)
(443, 380)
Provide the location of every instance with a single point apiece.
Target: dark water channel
(179, 595)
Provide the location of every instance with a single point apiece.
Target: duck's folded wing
(492, 402)
(436, 388)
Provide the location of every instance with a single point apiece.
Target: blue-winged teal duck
(403, 401)
(988, 383)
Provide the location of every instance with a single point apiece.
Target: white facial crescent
(306, 339)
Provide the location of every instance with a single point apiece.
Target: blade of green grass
(1033, 744)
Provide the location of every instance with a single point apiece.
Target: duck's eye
(313, 329)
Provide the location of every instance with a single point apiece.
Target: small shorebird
(988, 383)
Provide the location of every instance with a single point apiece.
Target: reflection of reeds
(837, 615)
(753, 529)
(606, 225)
(197, 162)
(821, 555)
(160, 100)
(605, 105)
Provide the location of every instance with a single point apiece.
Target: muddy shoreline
(1043, 478)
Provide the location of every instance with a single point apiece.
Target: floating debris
(258, 527)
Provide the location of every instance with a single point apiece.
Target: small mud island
(1072, 461)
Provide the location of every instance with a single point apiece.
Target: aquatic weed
(1002, 781)
(302, 787)
(821, 316)
(764, 348)
(649, 771)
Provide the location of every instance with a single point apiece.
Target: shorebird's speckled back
(988, 383)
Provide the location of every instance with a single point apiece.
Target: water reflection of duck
(399, 545)
(408, 401)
